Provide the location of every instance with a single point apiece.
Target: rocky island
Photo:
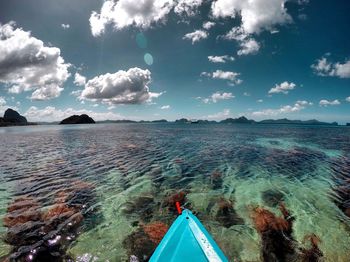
(76, 119)
(13, 118)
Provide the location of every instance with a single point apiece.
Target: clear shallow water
(94, 193)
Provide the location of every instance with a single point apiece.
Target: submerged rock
(138, 244)
(276, 234)
(143, 206)
(170, 201)
(272, 198)
(40, 234)
(216, 180)
(155, 231)
(312, 254)
(226, 215)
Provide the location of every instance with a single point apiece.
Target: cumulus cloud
(283, 88)
(79, 80)
(298, 106)
(165, 107)
(187, 7)
(220, 115)
(325, 102)
(248, 45)
(323, 67)
(232, 77)
(207, 25)
(196, 36)
(122, 87)
(217, 96)
(220, 59)
(2, 105)
(124, 13)
(51, 114)
(27, 65)
(256, 15)
(347, 99)
(259, 100)
(65, 26)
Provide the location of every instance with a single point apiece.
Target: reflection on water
(108, 192)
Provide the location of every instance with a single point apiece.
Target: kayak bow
(187, 240)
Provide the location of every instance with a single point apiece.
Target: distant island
(76, 119)
(239, 120)
(13, 118)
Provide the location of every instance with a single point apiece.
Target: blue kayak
(187, 240)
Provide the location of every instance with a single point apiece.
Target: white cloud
(256, 15)
(165, 107)
(232, 77)
(220, 115)
(27, 65)
(124, 13)
(79, 80)
(217, 96)
(298, 106)
(51, 114)
(187, 7)
(2, 101)
(249, 46)
(65, 26)
(284, 88)
(3, 106)
(122, 87)
(325, 102)
(259, 100)
(220, 59)
(246, 94)
(347, 99)
(196, 36)
(323, 67)
(207, 25)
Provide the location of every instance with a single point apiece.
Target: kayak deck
(187, 240)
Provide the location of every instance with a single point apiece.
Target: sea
(107, 192)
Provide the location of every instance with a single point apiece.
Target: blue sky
(156, 59)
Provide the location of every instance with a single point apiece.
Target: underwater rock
(272, 197)
(276, 234)
(216, 180)
(143, 206)
(155, 231)
(312, 254)
(22, 210)
(140, 245)
(44, 235)
(170, 201)
(226, 215)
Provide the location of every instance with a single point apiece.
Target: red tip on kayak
(178, 207)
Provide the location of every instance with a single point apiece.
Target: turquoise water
(88, 193)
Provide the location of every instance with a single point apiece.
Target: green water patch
(105, 241)
(289, 144)
(5, 198)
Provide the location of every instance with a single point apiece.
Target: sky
(168, 59)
